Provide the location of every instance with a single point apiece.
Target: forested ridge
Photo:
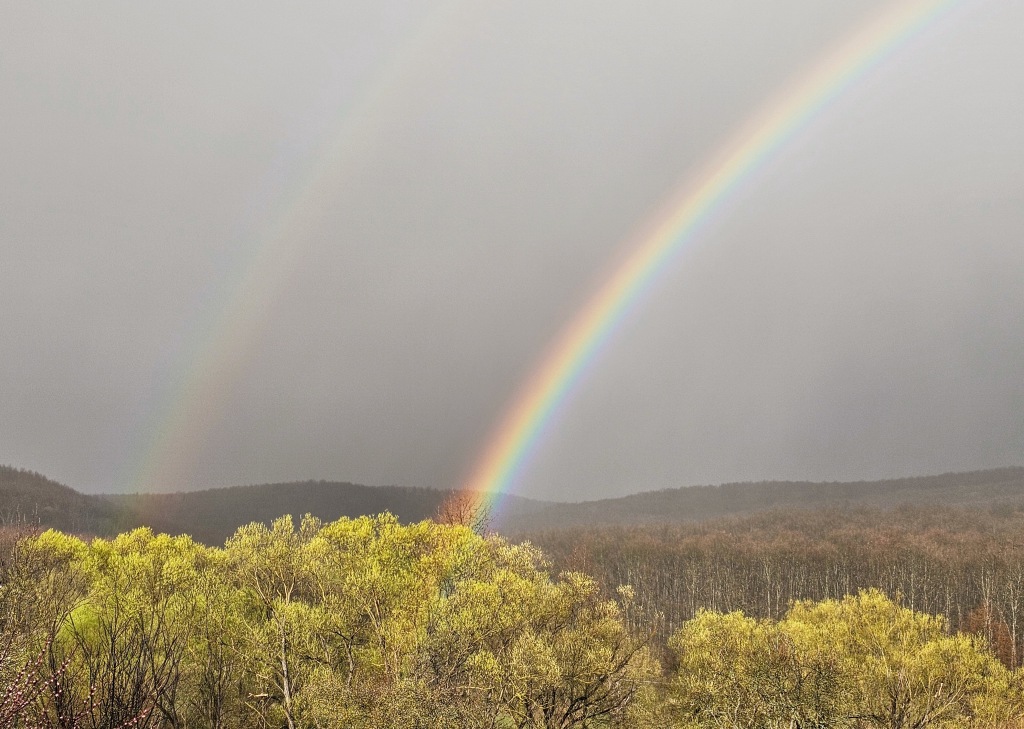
(1001, 488)
(212, 515)
(27, 497)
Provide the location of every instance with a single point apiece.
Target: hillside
(211, 516)
(30, 499)
(998, 488)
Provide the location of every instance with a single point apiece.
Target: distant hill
(998, 489)
(30, 499)
(213, 515)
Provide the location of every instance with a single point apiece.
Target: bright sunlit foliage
(357, 623)
(370, 623)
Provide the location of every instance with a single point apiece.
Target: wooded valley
(854, 617)
(370, 623)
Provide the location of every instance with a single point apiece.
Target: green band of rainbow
(530, 413)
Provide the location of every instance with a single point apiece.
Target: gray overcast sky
(434, 191)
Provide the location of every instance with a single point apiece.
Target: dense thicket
(965, 565)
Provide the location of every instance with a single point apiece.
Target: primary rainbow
(661, 241)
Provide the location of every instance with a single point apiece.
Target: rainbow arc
(663, 239)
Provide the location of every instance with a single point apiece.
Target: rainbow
(660, 242)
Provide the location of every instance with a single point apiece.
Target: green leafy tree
(904, 669)
(862, 661)
(736, 671)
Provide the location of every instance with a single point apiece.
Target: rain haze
(258, 242)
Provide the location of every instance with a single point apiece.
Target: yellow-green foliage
(357, 623)
(858, 662)
(369, 624)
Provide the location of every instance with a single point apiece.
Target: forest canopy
(370, 623)
(360, 622)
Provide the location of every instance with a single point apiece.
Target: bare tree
(465, 508)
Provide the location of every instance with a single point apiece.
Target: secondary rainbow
(271, 243)
(660, 242)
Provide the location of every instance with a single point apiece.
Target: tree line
(369, 623)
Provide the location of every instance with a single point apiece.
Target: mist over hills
(1001, 488)
(213, 515)
(27, 497)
